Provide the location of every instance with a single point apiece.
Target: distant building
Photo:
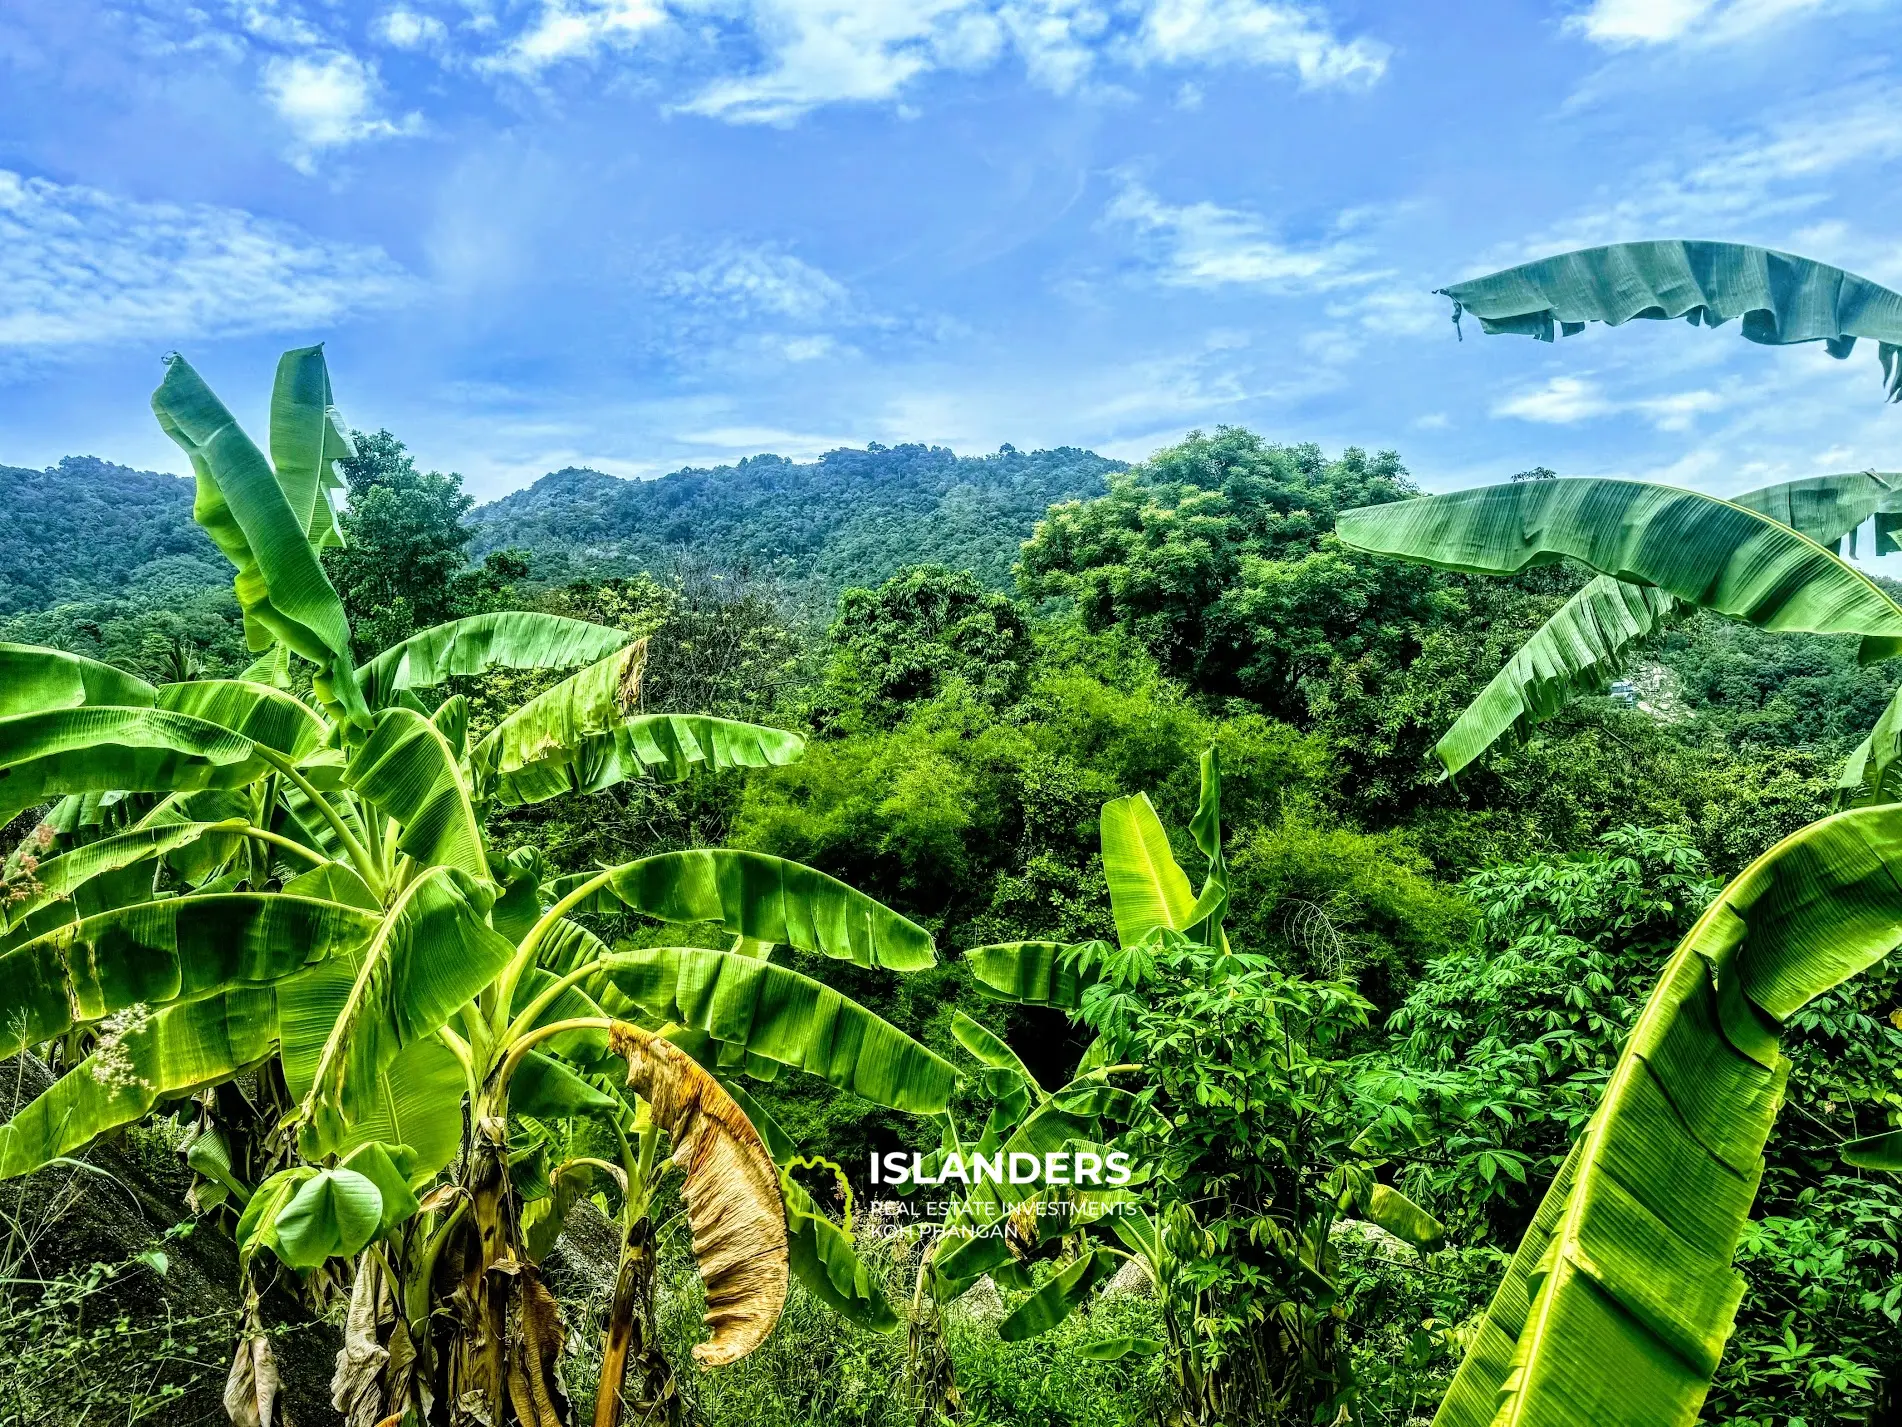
(1624, 692)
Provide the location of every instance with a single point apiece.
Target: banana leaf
(1782, 298)
(777, 1013)
(509, 639)
(992, 1049)
(138, 958)
(1147, 889)
(308, 438)
(433, 952)
(259, 712)
(281, 586)
(409, 771)
(1870, 774)
(34, 679)
(58, 878)
(1058, 1298)
(1705, 551)
(1623, 1313)
(766, 898)
(1035, 973)
(820, 1254)
(117, 750)
(1588, 639)
(162, 1055)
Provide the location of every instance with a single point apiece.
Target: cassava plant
(410, 1058)
(1618, 1304)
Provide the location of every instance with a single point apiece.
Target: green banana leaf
(1782, 298)
(1870, 774)
(1623, 1313)
(332, 1213)
(433, 952)
(548, 1090)
(1147, 889)
(510, 639)
(1705, 551)
(1587, 640)
(259, 712)
(58, 878)
(1111, 1350)
(1035, 973)
(281, 586)
(1055, 1301)
(272, 667)
(34, 679)
(777, 1013)
(820, 1254)
(177, 949)
(408, 769)
(767, 898)
(1391, 1210)
(103, 750)
(165, 1054)
(308, 438)
(556, 744)
(388, 1167)
(991, 1048)
(1883, 1151)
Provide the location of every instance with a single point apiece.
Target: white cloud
(1563, 401)
(80, 266)
(1203, 245)
(329, 99)
(1259, 32)
(407, 29)
(578, 29)
(1623, 23)
(760, 282)
(1560, 401)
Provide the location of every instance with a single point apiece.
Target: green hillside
(850, 518)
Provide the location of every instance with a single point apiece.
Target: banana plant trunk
(507, 1329)
(637, 1385)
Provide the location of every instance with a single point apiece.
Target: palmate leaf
(408, 769)
(1705, 551)
(430, 956)
(1147, 889)
(1627, 1306)
(511, 639)
(156, 953)
(308, 438)
(1781, 298)
(777, 1013)
(157, 1056)
(281, 586)
(766, 898)
(34, 679)
(1588, 639)
(118, 750)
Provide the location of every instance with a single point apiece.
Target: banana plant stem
(357, 855)
(547, 998)
(525, 954)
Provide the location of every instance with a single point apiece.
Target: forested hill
(85, 527)
(850, 518)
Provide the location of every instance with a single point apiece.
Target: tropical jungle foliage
(490, 981)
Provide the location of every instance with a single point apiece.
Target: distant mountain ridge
(852, 517)
(87, 529)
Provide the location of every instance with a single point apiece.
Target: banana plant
(1154, 1217)
(1617, 1306)
(1781, 299)
(411, 1059)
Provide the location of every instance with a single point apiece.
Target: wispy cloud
(81, 266)
(329, 99)
(1257, 32)
(577, 30)
(1624, 23)
(1204, 245)
(1564, 401)
(758, 281)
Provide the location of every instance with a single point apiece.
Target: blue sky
(637, 234)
